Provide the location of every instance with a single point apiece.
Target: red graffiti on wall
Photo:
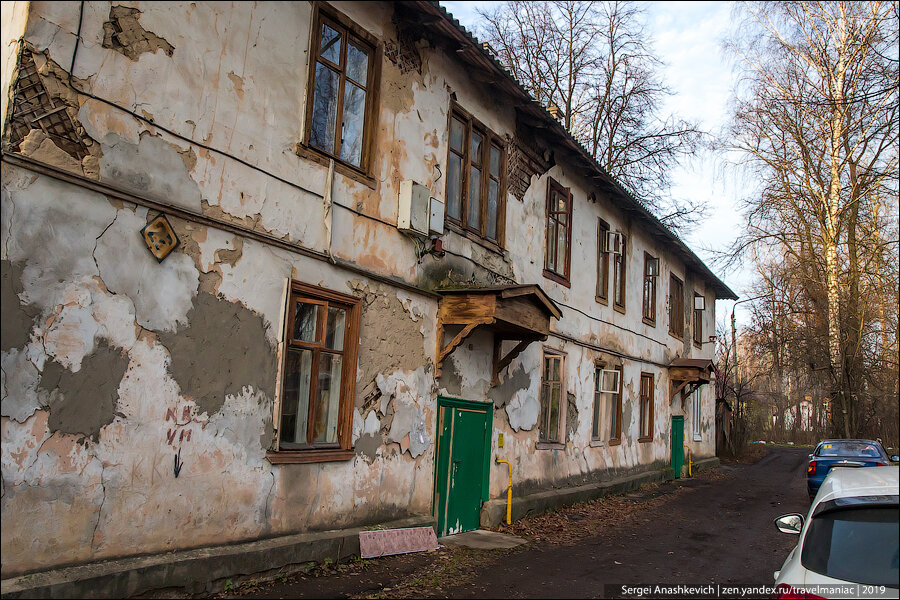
(184, 435)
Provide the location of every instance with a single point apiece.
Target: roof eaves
(721, 289)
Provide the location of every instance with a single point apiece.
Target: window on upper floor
(602, 263)
(646, 408)
(476, 178)
(619, 277)
(697, 322)
(676, 307)
(651, 270)
(341, 104)
(557, 259)
(553, 402)
(319, 376)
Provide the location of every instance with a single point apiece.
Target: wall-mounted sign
(160, 237)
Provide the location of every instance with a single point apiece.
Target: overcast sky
(687, 37)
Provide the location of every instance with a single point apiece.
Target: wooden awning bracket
(498, 364)
(443, 351)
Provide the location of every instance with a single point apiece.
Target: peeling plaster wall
(191, 345)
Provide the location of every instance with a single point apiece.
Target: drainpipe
(508, 492)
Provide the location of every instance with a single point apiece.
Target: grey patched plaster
(222, 350)
(84, 402)
(18, 319)
(516, 380)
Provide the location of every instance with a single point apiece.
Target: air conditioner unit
(612, 243)
(414, 208)
(653, 267)
(699, 303)
(609, 381)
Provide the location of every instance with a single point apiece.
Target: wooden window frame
(697, 323)
(602, 294)
(342, 449)
(323, 13)
(489, 139)
(615, 437)
(648, 310)
(696, 414)
(650, 407)
(564, 277)
(676, 307)
(620, 266)
(544, 444)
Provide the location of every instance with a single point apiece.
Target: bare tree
(816, 121)
(593, 61)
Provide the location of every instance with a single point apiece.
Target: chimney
(557, 112)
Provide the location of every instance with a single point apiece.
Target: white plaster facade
(83, 286)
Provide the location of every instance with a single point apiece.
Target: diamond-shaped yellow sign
(160, 237)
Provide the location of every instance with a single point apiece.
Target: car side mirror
(792, 523)
(895, 458)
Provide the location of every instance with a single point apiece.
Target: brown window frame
(620, 273)
(351, 33)
(650, 408)
(615, 437)
(676, 306)
(602, 294)
(546, 441)
(554, 186)
(697, 323)
(489, 140)
(648, 311)
(342, 448)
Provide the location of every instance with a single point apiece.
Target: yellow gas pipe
(508, 492)
(689, 460)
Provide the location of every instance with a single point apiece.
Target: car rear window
(848, 449)
(861, 545)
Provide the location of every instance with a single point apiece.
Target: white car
(850, 540)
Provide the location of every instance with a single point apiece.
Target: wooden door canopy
(687, 374)
(514, 312)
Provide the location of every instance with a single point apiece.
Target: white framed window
(696, 414)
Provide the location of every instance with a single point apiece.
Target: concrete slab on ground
(483, 540)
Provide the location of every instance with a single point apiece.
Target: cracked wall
(84, 289)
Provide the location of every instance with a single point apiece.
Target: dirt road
(715, 528)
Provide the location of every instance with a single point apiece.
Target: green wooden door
(461, 469)
(677, 444)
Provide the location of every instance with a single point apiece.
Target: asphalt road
(716, 530)
(720, 532)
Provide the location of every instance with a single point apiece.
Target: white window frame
(696, 413)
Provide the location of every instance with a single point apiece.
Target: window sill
(597, 444)
(619, 308)
(615, 442)
(344, 169)
(698, 438)
(645, 439)
(675, 335)
(601, 300)
(557, 278)
(549, 446)
(698, 345)
(483, 242)
(650, 322)
(282, 457)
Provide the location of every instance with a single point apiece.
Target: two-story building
(272, 269)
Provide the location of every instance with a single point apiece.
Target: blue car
(843, 453)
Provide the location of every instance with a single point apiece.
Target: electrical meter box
(415, 205)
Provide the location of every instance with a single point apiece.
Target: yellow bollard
(689, 460)
(508, 492)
